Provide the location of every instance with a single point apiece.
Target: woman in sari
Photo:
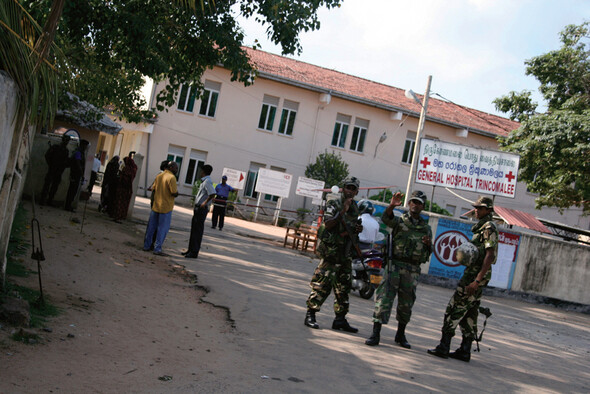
(125, 188)
(109, 185)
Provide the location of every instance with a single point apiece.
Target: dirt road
(232, 321)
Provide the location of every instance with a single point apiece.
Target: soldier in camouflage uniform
(338, 237)
(411, 237)
(463, 307)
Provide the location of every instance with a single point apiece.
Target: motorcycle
(367, 272)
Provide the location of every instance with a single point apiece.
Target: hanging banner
(273, 182)
(467, 168)
(451, 234)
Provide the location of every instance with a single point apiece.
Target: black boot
(375, 336)
(442, 350)
(400, 336)
(464, 351)
(340, 323)
(310, 319)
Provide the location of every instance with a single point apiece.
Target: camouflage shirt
(336, 241)
(407, 236)
(485, 236)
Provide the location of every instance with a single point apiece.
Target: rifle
(353, 241)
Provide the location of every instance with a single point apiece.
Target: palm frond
(28, 56)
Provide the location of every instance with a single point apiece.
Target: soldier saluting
(338, 237)
(411, 239)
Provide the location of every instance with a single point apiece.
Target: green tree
(555, 146)
(111, 46)
(328, 167)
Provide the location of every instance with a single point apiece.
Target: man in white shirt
(370, 232)
(205, 195)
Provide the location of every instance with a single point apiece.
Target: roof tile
(380, 94)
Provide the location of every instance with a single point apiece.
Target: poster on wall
(451, 234)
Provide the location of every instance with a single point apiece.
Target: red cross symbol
(424, 162)
(510, 176)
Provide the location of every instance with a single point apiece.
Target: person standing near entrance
(164, 191)
(463, 308)
(77, 166)
(94, 173)
(220, 203)
(57, 161)
(338, 237)
(203, 200)
(411, 238)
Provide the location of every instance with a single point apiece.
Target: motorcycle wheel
(367, 292)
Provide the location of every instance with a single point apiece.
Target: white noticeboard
(308, 187)
(467, 168)
(235, 178)
(273, 182)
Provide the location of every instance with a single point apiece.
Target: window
(409, 147)
(359, 133)
(209, 99)
(451, 209)
(464, 211)
(251, 180)
(288, 117)
(270, 197)
(195, 163)
(268, 112)
(340, 130)
(186, 99)
(176, 154)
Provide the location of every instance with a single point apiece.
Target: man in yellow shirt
(164, 191)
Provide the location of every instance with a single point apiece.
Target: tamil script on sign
(467, 168)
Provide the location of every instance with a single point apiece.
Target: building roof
(78, 114)
(353, 88)
(521, 219)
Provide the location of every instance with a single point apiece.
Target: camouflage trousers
(401, 282)
(331, 274)
(463, 310)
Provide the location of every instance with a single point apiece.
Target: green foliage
(39, 312)
(18, 244)
(379, 196)
(436, 209)
(113, 45)
(233, 196)
(555, 158)
(555, 146)
(519, 105)
(32, 61)
(17, 248)
(301, 213)
(328, 167)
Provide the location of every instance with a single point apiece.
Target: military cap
(351, 181)
(485, 202)
(418, 196)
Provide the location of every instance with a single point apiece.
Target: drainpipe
(147, 154)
